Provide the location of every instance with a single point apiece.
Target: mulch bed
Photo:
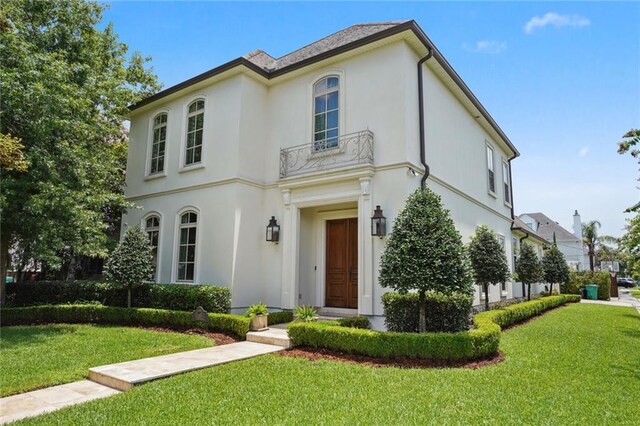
(219, 338)
(315, 354)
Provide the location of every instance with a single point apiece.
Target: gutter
(421, 119)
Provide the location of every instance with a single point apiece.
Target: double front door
(342, 263)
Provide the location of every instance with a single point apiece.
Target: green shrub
(97, 314)
(579, 279)
(479, 342)
(305, 314)
(443, 312)
(355, 322)
(257, 309)
(181, 297)
(279, 317)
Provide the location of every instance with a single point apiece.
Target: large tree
(631, 144)
(630, 244)
(529, 267)
(590, 239)
(64, 89)
(488, 260)
(425, 251)
(554, 264)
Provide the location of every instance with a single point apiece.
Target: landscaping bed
(567, 367)
(480, 342)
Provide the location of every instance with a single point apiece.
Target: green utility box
(592, 291)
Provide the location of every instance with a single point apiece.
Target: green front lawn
(635, 292)
(33, 357)
(574, 365)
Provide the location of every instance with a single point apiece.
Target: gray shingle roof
(547, 227)
(335, 40)
(518, 223)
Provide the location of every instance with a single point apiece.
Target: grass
(635, 292)
(33, 357)
(575, 365)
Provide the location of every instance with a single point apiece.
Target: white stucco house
(523, 233)
(315, 139)
(569, 243)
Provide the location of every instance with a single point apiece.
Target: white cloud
(584, 151)
(486, 46)
(556, 20)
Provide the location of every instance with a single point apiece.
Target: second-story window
(195, 131)
(158, 144)
(152, 227)
(506, 178)
(491, 170)
(326, 113)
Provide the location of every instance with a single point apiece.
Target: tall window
(501, 240)
(195, 130)
(152, 227)
(491, 170)
(514, 253)
(326, 113)
(187, 246)
(158, 145)
(506, 178)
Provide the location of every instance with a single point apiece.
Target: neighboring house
(570, 244)
(523, 233)
(315, 139)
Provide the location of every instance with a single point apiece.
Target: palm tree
(590, 238)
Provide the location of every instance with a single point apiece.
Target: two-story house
(315, 139)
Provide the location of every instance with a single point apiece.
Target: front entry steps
(272, 336)
(328, 311)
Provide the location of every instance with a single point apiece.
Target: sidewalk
(112, 379)
(625, 299)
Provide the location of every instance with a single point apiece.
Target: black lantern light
(378, 223)
(273, 230)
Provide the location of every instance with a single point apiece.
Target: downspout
(421, 117)
(521, 240)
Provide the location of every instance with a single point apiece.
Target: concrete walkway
(111, 379)
(42, 401)
(625, 299)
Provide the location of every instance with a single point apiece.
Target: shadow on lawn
(24, 335)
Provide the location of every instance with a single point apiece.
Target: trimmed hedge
(579, 279)
(279, 317)
(180, 297)
(448, 313)
(97, 314)
(355, 322)
(479, 342)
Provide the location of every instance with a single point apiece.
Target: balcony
(349, 150)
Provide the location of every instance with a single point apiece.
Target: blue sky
(562, 79)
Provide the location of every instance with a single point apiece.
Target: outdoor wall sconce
(378, 223)
(273, 230)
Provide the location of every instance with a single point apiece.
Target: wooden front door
(341, 272)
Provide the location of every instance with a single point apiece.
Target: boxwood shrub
(355, 322)
(97, 314)
(279, 317)
(182, 297)
(444, 312)
(483, 340)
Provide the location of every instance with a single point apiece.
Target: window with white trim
(158, 144)
(326, 108)
(195, 133)
(187, 246)
(514, 253)
(152, 227)
(491, 170)
(506, 179)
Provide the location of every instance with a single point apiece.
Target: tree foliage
(631, 144)
(11, 155)
(64, 89)
(554, 264)
(425, 251)
(590, 239)
(488, 260)
(131, 262)
(630, 244)
(529, 267)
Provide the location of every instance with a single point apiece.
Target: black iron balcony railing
(352, 149)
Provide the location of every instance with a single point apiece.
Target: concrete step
(337, 312)
(272, 336)
(125, 375)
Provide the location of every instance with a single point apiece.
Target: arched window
(158, 144)
(195, 130)
(152, 227)
(326, 113)
(187, 246)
